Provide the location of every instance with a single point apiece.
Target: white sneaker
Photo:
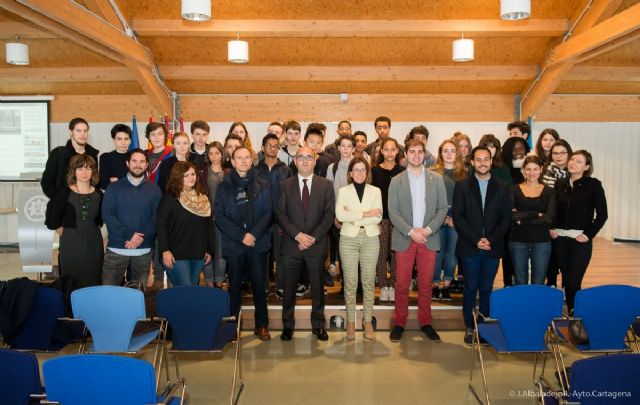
(392, 294)
(384, 294)
(332, 270)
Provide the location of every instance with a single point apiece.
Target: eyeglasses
(559, 153)
(273, 147)
(304, 158)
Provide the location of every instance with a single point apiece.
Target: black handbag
(577, 333)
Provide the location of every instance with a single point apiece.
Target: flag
(181, 124)
(166, 124)
(135, 141)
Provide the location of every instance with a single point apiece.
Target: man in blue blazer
(481, 215)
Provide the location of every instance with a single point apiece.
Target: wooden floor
(611, 263)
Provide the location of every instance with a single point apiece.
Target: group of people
(380, 211)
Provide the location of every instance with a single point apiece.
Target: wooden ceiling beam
(618, 26)
(25, 30)
(84, 24)
(104, 9)
(58, 29)
(349, 28)
(604, 74)
(539, 90)
(347, 73)
(65, 74)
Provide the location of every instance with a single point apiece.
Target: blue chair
(598, 380)
(102, 379)
(200, 321)
(19, 377)
(607, 313)
(519, 321)
(111, 314)
(39, 330)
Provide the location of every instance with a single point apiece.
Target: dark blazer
(578, 204)
(472, 223)
(318, 220)
(54, 177)
(257, 218)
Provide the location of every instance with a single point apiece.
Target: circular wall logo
(35, 208)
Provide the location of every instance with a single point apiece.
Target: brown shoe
(262, 333)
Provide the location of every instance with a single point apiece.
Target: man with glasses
(481, 215)
(305, 211)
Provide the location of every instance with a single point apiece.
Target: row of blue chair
(115, 322)
(529, 319)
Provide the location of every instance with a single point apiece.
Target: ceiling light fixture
(17, 53)
(196, 10)
(515, 9)
(462, 50)
(238, 51)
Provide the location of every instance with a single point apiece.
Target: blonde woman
(359, 208)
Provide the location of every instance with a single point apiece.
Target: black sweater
(578, 204)
(528, 226)
(112, 164)
(185, 234)
(62, 213)
(381, 178)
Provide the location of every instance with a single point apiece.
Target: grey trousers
(114, 266)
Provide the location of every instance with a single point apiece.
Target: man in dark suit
(305, 211)
(481, 215)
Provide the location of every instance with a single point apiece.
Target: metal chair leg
(237, 366)
(476, 344)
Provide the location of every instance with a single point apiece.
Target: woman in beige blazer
(359, 208)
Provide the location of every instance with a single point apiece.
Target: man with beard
(129, 212)
(54, 177)
(481, 215)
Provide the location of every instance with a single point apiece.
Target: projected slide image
(10, 122)
(24, 140)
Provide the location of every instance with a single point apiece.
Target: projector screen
(24, 139)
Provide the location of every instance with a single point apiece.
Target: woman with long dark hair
(534, 207)
(582, 212)
(184, 226)
(211, 175)
(381, 174)
(547, 138)
(76, 217)
(555, 170)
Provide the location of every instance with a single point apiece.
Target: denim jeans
(479, 273)
(446, 258)
(185, 272)
(539, 253)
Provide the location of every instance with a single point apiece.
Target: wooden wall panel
(102, 108)
(360, 107)
(590, 108)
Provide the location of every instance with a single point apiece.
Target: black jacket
(62, 213)
(474, 223)
(257, 210)
(278, 173)
(54, 177)
(16, 300)
(578, 204)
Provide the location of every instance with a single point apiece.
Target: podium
(35, 240)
